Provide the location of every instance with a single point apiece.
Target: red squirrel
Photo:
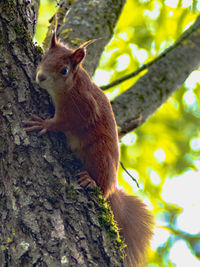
(84, 114)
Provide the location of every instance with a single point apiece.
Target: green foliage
(46, 11)
(161, 148)
(167, 145)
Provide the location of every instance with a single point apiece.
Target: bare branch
(149, 64)
(162, 79)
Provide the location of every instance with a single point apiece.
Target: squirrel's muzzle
(40, 77)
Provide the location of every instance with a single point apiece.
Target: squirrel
(84, 114)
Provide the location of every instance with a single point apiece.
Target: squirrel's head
(59, 66)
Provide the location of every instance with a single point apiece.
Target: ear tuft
(78, 56)
(89, 42)
(53, 42)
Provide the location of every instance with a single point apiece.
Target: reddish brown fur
(84, 113)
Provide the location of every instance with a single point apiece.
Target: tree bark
(46, 219)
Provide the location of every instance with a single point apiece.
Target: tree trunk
(46, 219)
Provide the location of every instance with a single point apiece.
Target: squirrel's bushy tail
(135, 223)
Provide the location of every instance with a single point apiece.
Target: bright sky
(173, 3)
(183, 191)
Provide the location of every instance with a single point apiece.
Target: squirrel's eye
(64, 71)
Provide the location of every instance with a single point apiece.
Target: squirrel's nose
(41, 77)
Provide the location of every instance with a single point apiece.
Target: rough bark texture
(161, 80)
(46, 219)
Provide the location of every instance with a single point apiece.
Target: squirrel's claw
(35, 124)
(43, 131)
(36, 118)
(33, 128)
(85, 180)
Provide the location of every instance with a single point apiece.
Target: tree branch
(152, 62)
(162, 79)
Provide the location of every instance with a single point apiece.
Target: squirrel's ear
(78, 55)
(53, 40)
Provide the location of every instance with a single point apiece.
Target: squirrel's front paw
(85, 180)
(36, 124)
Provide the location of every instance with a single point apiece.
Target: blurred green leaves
(47, 9)
(165, 145)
